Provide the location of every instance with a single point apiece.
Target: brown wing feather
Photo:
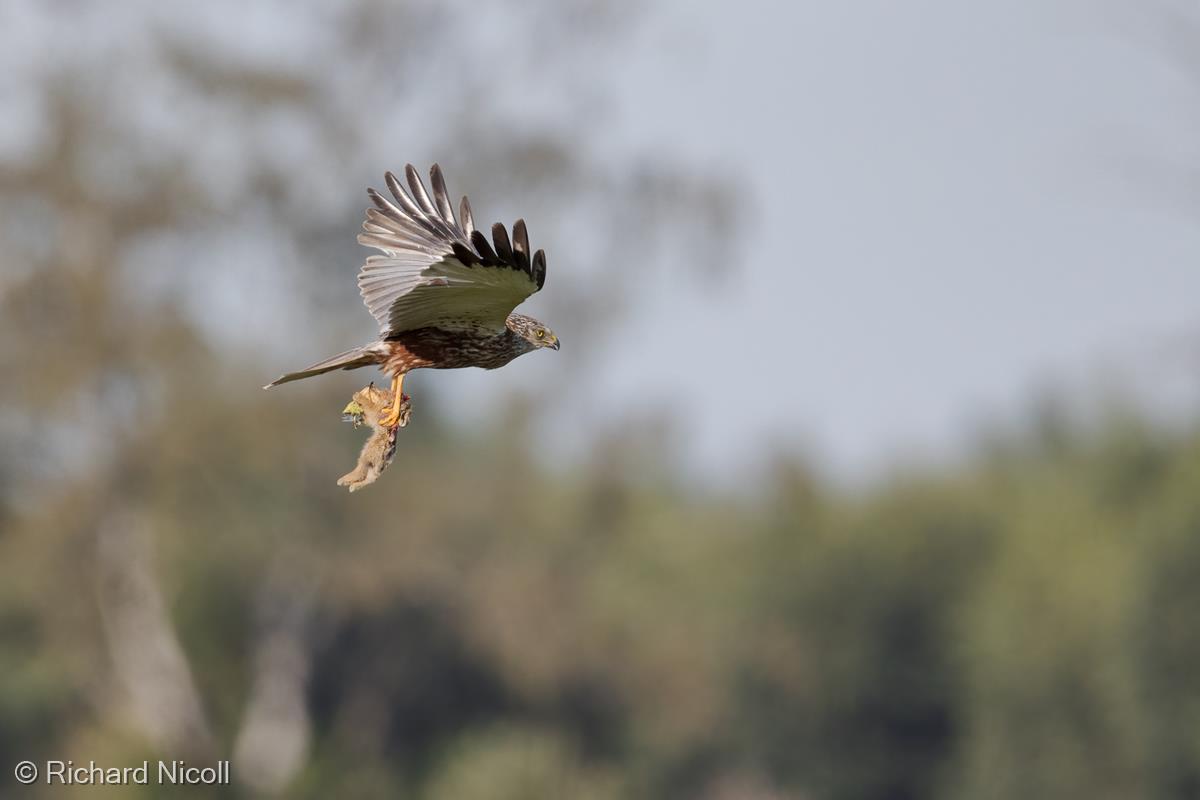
(436, 270)
(464, 214)
(441, 197)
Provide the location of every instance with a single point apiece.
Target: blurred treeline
(180, 578)
(481, 627)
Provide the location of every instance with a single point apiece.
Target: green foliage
(179, 573)
(511, 763)
(1021, 628)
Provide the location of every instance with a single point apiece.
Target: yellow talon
(392, 418)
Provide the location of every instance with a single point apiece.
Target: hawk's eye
(540, 334)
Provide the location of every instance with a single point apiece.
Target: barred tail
(351, 359)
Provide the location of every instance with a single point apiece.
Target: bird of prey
(442, 294)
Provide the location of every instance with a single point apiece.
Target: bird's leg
(392, 418)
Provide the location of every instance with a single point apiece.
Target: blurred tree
(160, 177)
(178, 571)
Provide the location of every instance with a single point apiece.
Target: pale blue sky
(947, 206)
(948, 213)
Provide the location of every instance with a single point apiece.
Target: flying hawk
(442, 294)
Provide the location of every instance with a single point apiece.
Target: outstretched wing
(436, 271)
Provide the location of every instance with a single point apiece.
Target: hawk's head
(532, 331)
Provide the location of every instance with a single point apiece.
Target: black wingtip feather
(520, 245)
(464, 254)
(539, 268)
(500, 239)
(484, 248)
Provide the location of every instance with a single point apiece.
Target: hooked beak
(554, 345)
